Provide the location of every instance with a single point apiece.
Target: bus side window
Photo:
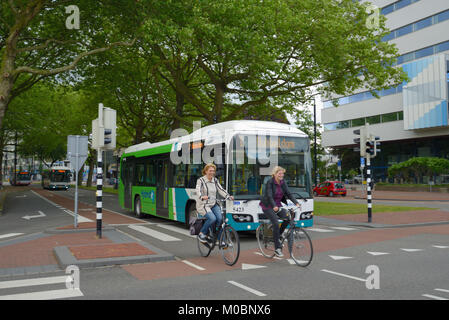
(179, 176)
(150, 173)
(139, 174)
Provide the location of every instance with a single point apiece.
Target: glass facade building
(411, 119)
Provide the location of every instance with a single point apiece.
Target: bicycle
(230, 251)
(299, 243)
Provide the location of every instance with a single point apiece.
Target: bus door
(127, 177)
(162, 173)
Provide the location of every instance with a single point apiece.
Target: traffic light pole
(368, 186)
(99, 191)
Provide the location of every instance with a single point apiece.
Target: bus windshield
(23, 176)
(293, 154)
(60, 176)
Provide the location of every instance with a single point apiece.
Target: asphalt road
(410, 266)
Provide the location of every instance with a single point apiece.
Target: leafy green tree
(44, 116)
(249, 56)
(418, 167)
(35, 43)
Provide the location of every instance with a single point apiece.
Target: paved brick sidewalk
(39, 252)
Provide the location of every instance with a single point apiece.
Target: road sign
(77, 151)
(362, 162)
(77, 154)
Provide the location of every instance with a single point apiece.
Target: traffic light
(376, 145)
(360, 141)
(369, 148)
(104, 129)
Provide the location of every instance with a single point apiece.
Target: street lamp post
(314, 146)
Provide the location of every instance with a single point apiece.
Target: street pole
(368, 186)
(99, 191)
(76, 182)
(314, 146)
(15, 160)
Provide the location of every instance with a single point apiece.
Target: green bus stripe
(149, 152)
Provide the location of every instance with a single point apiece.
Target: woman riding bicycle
(207, 188)
(276, 190)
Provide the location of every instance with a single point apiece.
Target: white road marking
(193, 265)
(319, 230)
(291, 261)
(253, 291)
(441, 247)
(433, 297)
(442, 290)
(247, 266)
(343, 228)
(377, 253)
(8, 235)
(176, 229)
(344, 275)
(339, 257)
(42, 295)
(45, 295)
(260, 254)
(32, 282)
(411, 250)
(40, 215)
(153, 233)
(23, 196)
(80, 218)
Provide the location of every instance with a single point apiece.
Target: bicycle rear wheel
(265, 240)
(206, 248)
(300, 247)
(231, 250)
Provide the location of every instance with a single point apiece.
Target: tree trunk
(179, 111)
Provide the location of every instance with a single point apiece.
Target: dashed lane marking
(253, 291)
(343, 275)
(193, 265)
(434, 297)
(319, 230)
(8, 235)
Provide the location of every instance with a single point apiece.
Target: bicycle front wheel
(229, 245)
(265, 240)
(205, 248)
(300, 247)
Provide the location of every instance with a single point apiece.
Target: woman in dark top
(276, 191)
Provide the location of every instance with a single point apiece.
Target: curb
(62, 231)
(65, 258)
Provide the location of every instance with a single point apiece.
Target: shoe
(278, 253)
(202, 238)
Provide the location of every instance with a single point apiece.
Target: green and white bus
(151, 183)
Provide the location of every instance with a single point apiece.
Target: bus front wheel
(191, 213)
(138, 208)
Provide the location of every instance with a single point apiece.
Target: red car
(330, 189)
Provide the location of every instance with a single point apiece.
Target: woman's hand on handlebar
(276, 209)
(205, 197)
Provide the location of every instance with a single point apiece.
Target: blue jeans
(213, 217)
